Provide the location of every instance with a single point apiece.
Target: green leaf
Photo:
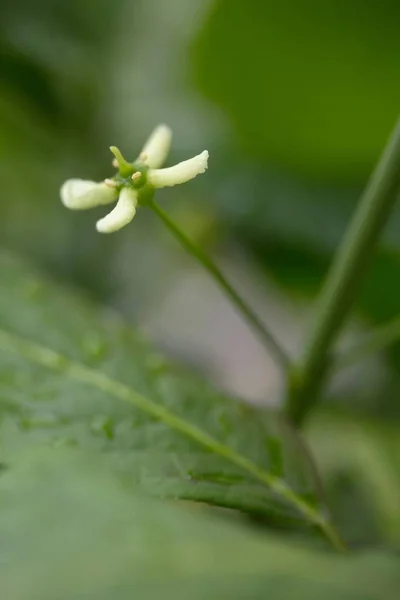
(69, 530)
(73, 374)
(312, 87)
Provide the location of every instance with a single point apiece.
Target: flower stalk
(133, 186)
(266, 337)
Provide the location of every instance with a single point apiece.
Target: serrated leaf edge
(55, 361)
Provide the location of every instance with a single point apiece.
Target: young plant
(77, 380)
(135, 184)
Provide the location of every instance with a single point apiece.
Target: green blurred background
(294, 100)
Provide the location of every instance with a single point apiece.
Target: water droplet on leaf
(102, 425)
(34, 289)
(94, 347)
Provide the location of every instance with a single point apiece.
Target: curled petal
(180, 173)
(156, 149)
(79, 194)
(122, 214)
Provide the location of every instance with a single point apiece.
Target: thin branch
(259, 327)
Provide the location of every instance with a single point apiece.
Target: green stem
(264, 334)
(343, 281)
(375, 342)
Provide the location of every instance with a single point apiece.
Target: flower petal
(122, 214)
(79, 194)
(180, 173)
(156, 148)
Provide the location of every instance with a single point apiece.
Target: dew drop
(34, 289)
(102, 425)
(39, 421)
(57, 361)
(94, 347)
(64, 441)
(223, 420)
(157, 364)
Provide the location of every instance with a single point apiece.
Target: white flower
(135, 182)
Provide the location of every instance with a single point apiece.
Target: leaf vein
(53, 360)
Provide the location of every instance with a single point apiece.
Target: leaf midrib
(55, 361)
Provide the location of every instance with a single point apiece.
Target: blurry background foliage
(294, 100)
